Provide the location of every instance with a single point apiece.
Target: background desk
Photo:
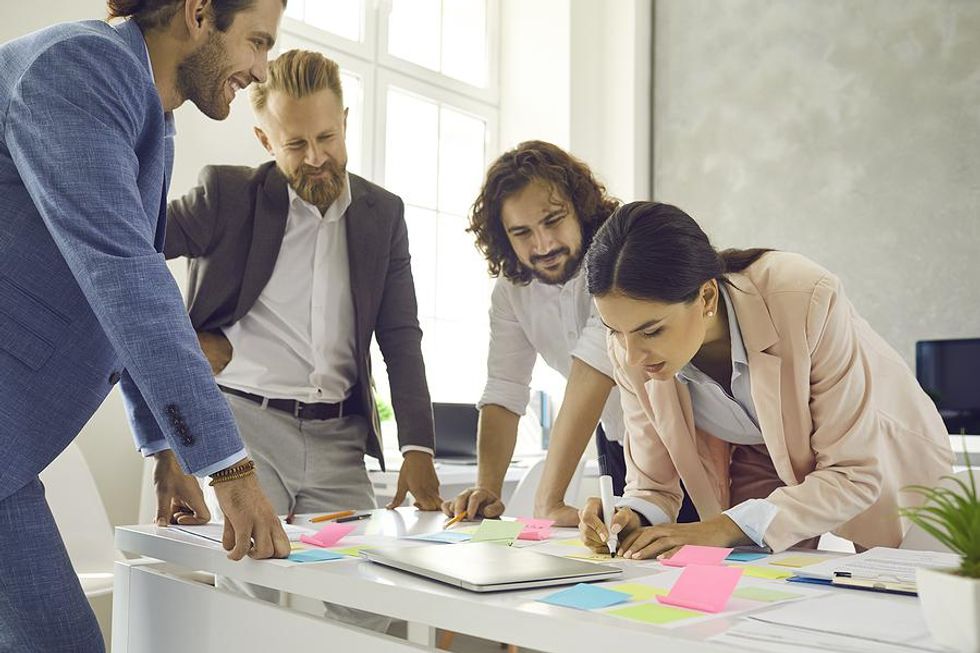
(159, 607)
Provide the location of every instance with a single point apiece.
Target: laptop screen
(455, 426)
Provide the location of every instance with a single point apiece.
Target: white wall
(845, 130)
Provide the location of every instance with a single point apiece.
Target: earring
(711, 313)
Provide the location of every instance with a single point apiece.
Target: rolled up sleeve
(511, 356)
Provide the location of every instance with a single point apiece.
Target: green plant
(953, 518)
(385, 412)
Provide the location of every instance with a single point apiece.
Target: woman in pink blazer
(749, 376)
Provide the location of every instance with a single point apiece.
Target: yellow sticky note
(653, 613)
(352, 551)
(296, 546)
(571, 542)
(763, 572)
(763, 594)
(590, 556)
(639, 591)
(796, 561)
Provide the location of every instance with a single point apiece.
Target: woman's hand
(625, 522)
(664, 540)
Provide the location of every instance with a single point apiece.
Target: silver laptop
(488, 567)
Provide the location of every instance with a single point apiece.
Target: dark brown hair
(150, 14)
(653, 251)
(513, 171)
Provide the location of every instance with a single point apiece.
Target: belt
(298, 409)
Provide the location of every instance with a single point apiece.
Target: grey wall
(846, 130)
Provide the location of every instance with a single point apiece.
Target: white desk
(158, 608)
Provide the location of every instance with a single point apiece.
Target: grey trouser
(306, 466)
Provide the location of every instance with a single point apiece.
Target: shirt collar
(739, 356)
(335, 211)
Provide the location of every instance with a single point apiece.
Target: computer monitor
(455, 426)
(949, 371)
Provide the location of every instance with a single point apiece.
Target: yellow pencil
(455, 520)
(333, 515)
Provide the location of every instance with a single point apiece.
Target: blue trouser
(42, 605)
(612, 462)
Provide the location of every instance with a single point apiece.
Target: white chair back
(79, 512)
(919, 540)
(521, 502)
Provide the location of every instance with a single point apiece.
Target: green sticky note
(763, 572)
(496, 530)
(761, 594)
(797, 561)
(352, 551)
(639, 591)
(653, 613)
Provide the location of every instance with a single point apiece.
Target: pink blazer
(843, 418)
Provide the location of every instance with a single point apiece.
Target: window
(419, 81)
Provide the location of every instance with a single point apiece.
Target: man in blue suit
(86, 300)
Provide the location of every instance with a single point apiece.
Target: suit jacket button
(114, 378)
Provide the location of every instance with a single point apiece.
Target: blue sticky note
(314, 555)
(745, 556)
(586, 597)
(444, 537)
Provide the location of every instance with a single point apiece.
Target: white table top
(514, 617)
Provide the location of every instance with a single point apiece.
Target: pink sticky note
(536, 534)
(692, 554)
(328, 535)
(535, 524)
(703, 587)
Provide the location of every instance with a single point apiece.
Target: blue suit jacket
(86, 299)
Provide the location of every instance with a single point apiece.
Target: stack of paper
(880, 563)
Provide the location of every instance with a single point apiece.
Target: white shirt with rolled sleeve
(557, 322)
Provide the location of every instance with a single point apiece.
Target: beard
(572, 264)
(201, 80)
(321, 192)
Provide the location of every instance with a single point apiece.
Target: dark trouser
(613, 463)
(42, 606)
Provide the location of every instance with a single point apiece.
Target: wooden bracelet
(231, 477)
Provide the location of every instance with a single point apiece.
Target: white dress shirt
(297, 341)
(731, 418)
(557, 322)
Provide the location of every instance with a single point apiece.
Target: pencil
(332, 515)
(461, 516)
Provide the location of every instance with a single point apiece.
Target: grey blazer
(231, 228)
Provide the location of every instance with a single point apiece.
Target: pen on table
(608, 509)
(332, 515)
(363, 515)
(458, 518)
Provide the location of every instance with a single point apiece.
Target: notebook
(489, 567)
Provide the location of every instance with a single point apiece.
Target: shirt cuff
(221, 464)
(415, 447)
(512, 396)
(154, 447)
(650, 511)
(753, 516)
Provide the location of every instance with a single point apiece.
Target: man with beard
(294, 265)
(86, 300)
(534, 220)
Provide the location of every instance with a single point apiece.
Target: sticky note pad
(314, 555)
(763, 594)
(571, 542)
(744, 556)
(692, 554)
(591, 555)
(651, 613)
(639, 591)
(703, 587)
(495, 530)
(763, 572)
(535, 524)
(535, 534)
(328, 535)
(797, 561)
(586, 597)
